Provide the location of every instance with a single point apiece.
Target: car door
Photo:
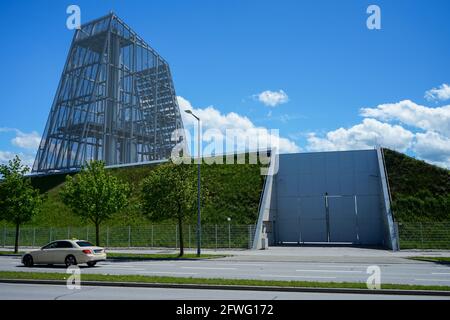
(45, 253)
(64, 248)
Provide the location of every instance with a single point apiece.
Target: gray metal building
(327, 198)
(115, 102)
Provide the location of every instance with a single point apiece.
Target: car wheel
(91, 264)
(28, 261)
(70, 261)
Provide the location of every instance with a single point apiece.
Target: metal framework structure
(115, 102)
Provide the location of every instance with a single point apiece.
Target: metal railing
(424, 235)
(151, 236)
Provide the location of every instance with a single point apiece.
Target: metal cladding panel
(343, 220)
(312, 219)
(369, 220)
(331, 196)
(290, 222)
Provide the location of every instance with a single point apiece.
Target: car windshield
(84, 244)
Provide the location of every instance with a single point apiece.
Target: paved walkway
(302, 254)
(313, 254)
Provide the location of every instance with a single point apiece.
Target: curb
(235, 287)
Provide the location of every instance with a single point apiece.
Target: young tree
(95, 195)
(169, 192)
(19, 201)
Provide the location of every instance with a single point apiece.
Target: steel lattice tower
(115, 102)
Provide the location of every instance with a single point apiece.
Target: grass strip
(444, 260)
(10, 253)
(17, 275)
(160, 256)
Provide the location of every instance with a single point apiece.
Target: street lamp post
(199, 232)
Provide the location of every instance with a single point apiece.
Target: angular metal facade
(115, 102)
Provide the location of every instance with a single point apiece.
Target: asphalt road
(57, 292)
(424, 273)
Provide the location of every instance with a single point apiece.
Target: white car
(68, 252)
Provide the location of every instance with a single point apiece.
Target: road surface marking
(239, 264)
(169, 272)
(331, 271)
(334, 266)
(432, 280)
(208, 268)
(447, 273)
(310, 277)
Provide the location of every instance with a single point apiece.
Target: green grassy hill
(234, 192)
(420, 191)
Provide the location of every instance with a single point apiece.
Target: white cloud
(29, 142)
(212, 118)
(412, 114)
(24, 140)
(365, 135)
(404, 126)
(433, 147)
(442, 93)
(26, 159)
(272, 98)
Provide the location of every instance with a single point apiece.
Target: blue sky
(223, 54)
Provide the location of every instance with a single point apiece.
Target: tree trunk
(97, 234)
(180, 236)
(16, 243)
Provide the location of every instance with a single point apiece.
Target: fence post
(34, 236)
(129, 236)
(107, 236)
(249, 236)
(189, 228)
(68, 232)
(4, 236)
(421, 234)
(152, 237)
(87, 233)
(229, 236)
(216, 236)
(50, 235)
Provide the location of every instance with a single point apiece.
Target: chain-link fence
(424, 235)
(153, 236)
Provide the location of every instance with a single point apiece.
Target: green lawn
(11, 253)
(160, 256)
(229, 282)
(443, 260)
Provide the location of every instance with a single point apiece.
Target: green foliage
(168, 192)
(94, 194)
(420, 191)
(411, 176)
(19, 201)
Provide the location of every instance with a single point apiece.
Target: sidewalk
(298, 254)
